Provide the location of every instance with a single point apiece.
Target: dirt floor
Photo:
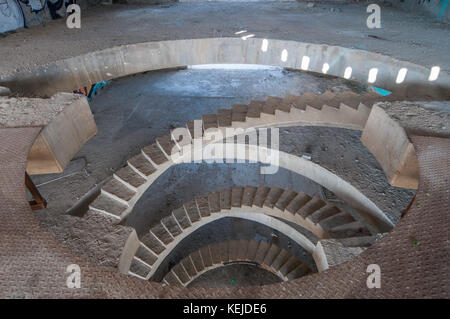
(131, 112)
(405, 36)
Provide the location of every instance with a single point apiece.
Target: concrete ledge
(66, 121)
(73, 73)
(390, 145)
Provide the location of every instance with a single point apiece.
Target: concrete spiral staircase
(322, 219)
(119, 195)
(266, 255)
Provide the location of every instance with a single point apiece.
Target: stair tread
(273, 196)
(263, 247)
(298, 272)
(336, 220)
(181, 273)
(172, 225)
(197, 260)
(310, 207)
(152, 243)
(128, 175)
(167, 145)
(354, 229)
(249, 194)
(286, 197)
(214, 202)
(260, 196)
(182, 217)
(140, 163)
(192, 211)
(326, 211)
(206, 256)
(203, 206)
(117, 188)
(298, 202)
(139, 268)
(189, 266)
(109, 205)
(254, 109)
(209, 121)
(224, 117)
(225, 199)
(271, 254)
(146, 255)
(161, 233)
(172, 279)
(290, 265)
(155, 154)
(236, 196)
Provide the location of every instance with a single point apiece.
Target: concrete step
(243, 246)
(209, 121)
(171, 224)
(116, 188)
(300, 200)
(146, 255)
(310, 207)
(248, 195)
(254, 109)
(181, 273)
(172, 279)
(167, 145)
(215, 253)
(260, 196)
(339, 219)
(107, 205)
(141, 165)
(206, 256)
(322, 213)
(139, 268)
(224, 117)
(271, 254)
(128, 176)
(354, 229)
(272, 197)
(188, 265)
(236, 196)
(192, 211)
(289, 265)
(286, 197)
(239, 113)
(197, 261)
(161, 233)
(152, 243)
(252, 249)
(154, 153)
(203, 206)
(223, 248)
(214, 202)
(225, 199)
(279, 261)
(362, 241)
(181, 217)
(233, 249)
(299, 271)
(261, 252)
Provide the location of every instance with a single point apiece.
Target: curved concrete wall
(80, 71)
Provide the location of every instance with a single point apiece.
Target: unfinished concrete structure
(334, 239)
